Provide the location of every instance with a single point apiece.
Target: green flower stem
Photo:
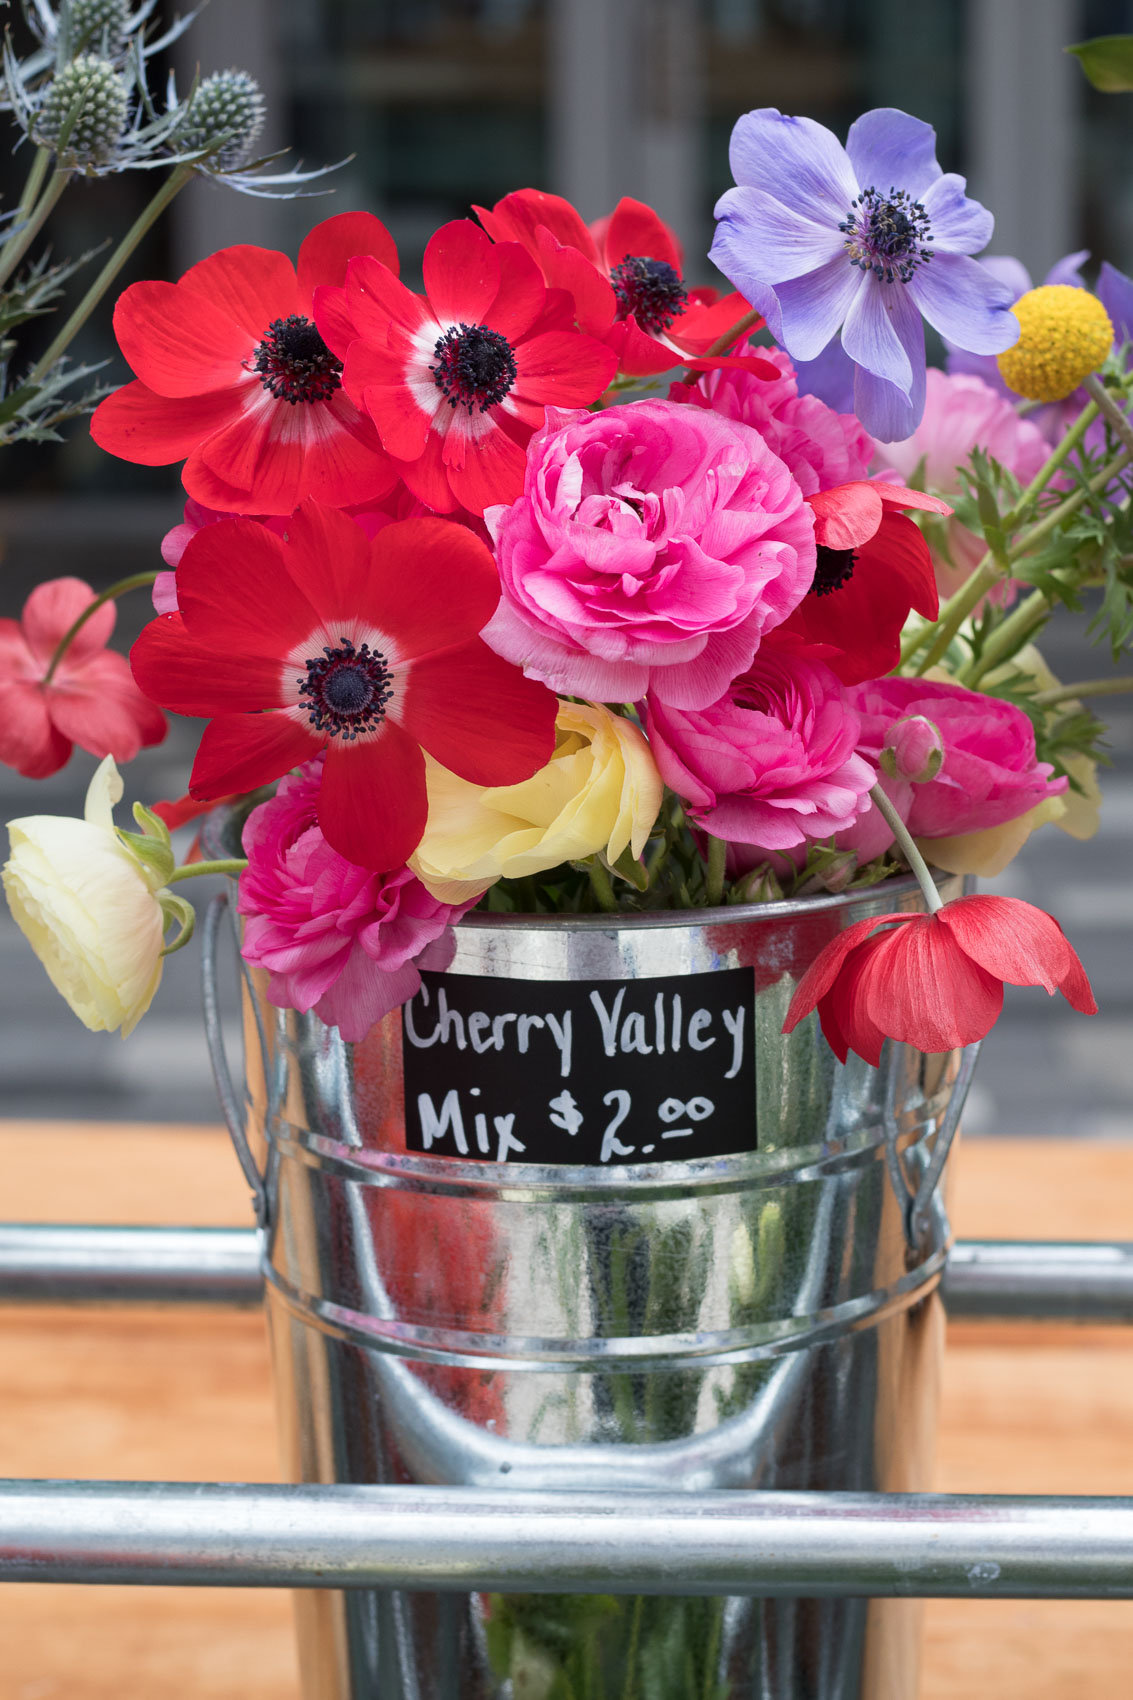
(196, 870)
(909, 850)
(1051, 521)
(1050, 466)
(172, 187)
(1106, 405)
(1007, 637)
(602, 886)
(134, 582)
(1085, 688)
(714, 879)
(21, 240)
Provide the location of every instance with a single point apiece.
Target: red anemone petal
(564, 369)
(427, 477)
(376, 299)
(103, 711)
(29, 741)
(704, 322)
(565, 268)
(479, 715)
(237, 594)
(333, 319)
(897, 496)
(192, 678)
(522, 294)
(252, 285)
(329, 248)
(152, 430)
(239, 752)
(635, 229)
(842, 1011)
(486, 471)
(431, 584)
(50, 612)
(372, 800)
(898, 551)
(827, 965)
(922, 988)
(328, 560)
(639, 355)
(846, 517)
(1020, 944)
(180, 343)
(519, 216)
(461, 269)
(735, 362)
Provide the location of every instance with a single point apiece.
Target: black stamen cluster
(649, 289)
(348, 690)
(886, 234)
(833, 569)
(475, 367)
(295, 364)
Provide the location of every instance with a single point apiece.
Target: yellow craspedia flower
(1065, 334)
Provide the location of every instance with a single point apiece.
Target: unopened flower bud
(836, 874)
(84, 111)
(228, 108)
(914, 750)
(99, 23)
(760, 886)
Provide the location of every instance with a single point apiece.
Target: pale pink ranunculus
(334, 937)
(989, 774)
(653, 546)
(773, 763)
(963, 413)
(822, 448)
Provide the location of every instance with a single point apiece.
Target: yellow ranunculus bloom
(88, 908)
(599, 791)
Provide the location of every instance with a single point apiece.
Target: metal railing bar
(471, 1539)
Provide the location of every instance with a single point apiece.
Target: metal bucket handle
(214, 1036)
(916, 1205)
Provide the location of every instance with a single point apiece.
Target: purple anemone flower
(865, 238)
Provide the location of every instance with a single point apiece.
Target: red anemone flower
(367, 649)
(626, 275)
(457, 380)
(873, 567)
(934, 981)
(233, 373)
(91, 701)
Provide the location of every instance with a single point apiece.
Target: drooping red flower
(935, 981)
(873, 567)
(232, 372)
(91, 701)
(625, 274)
(457, 380)
(365, 648)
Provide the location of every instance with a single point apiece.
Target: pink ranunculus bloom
(653, 547)
(989, 774)
(92, 699)
(334, 937)
(963, 413)
(773, 762)
(822, 448)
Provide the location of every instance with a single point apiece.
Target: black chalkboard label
(569, 1071)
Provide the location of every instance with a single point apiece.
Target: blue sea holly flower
(864, 239)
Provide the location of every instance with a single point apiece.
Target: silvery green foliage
(227, 109)
(83, 113)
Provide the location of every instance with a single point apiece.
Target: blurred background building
(439, 104)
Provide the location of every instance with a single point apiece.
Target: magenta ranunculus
(822, 448)
(773, 762)
(989, 774)
(653, 546)
(334, 937)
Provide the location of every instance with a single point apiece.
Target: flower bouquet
(565, 595)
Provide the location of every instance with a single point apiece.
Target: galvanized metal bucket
(765, 1316)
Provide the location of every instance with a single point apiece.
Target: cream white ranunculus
(88, 908)
(600, 791)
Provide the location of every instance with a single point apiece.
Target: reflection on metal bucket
(766, 1319)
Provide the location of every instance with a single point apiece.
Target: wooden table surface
(186, 1396)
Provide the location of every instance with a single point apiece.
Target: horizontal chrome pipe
(985, 1279)
(471, 1539)
(51, 1264)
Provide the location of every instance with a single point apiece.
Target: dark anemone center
(649, 289)
(295, 364)
(834, 568)
(475, 367)
(347, 690)
(887, 234)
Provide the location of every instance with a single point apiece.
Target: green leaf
(627, 867)
(1107, 61)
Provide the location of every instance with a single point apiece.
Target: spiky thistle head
(230, 109)
(83, 112)
(100, 23)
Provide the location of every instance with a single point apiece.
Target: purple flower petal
(890, 150)
(812, 308)
(1067, 270)
(1115, 292)
(887, 412)
(959, 225)
(830, 377)
(796, 161)
(870, 337)
(965, 303)
(768, 241)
